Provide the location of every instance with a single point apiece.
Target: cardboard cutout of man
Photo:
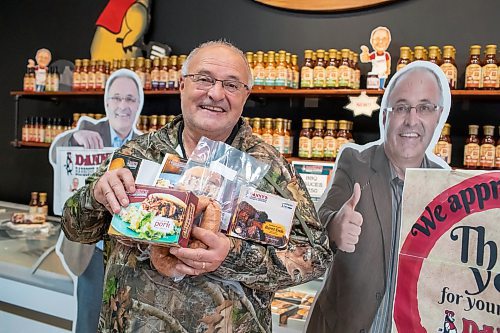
(362, 210)
(123, 101)
(380, 40)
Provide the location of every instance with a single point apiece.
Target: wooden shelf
(30, 144)
(298, 159)
(264, 92)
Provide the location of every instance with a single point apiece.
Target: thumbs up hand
(345, 227)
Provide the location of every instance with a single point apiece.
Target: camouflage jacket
(234, 298)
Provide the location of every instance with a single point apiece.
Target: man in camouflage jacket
(230, 294)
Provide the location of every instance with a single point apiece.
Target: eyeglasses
(206, 82)
(118, 99)
(423, 109)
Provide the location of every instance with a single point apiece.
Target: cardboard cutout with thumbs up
(362, 208)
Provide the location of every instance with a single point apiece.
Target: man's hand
(199, 261)
(88, 139)
(111, 189)
(345, 227)
(365, 54)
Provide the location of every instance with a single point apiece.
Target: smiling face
(43, 58)
(408, 135)
(122, 104)
(214, 112)
(380, 40)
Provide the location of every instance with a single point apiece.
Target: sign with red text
(448, 277)
(75, 165)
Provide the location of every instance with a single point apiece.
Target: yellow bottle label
(344, 76)
(84, 81)
(289, 78)
(286, 145)
(490, 76)
(497, 157)
(305, 147)
(77, 80)
(451, 74)
(357, 79)
(279, 142)
(306, 77)
(318, 148)
(473, 76)
(260, 75)
(441, 150)
(281, 76)
(330, 146)
(92, 80)
(319, 75)
(173, 80)
(340, 142)
(332, 77)
(296, 79)
(487, 156)
(270, 76)
(268, 138)
(471, 154)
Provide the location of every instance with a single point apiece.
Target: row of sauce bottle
(479, 73)
(321, 144)
(158, 74)
(43, 130)
(144, 124)
(330, 69)
(275, 132)
(482, 153)
(52, 79)
(321, 69)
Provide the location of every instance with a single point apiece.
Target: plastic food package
(218, 171)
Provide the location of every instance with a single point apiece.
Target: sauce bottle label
(487, 156)
(490, 76)
(306, 77)
(305, 147)
(473, 76)
(471, 154)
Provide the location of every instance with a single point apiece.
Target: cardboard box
(156, 215)
(263, 217)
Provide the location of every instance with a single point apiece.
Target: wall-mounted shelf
(264, 92)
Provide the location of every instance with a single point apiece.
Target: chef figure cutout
(380, 58)
(43, 58)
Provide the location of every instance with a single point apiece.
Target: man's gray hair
(220, 42)
(422, 69)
